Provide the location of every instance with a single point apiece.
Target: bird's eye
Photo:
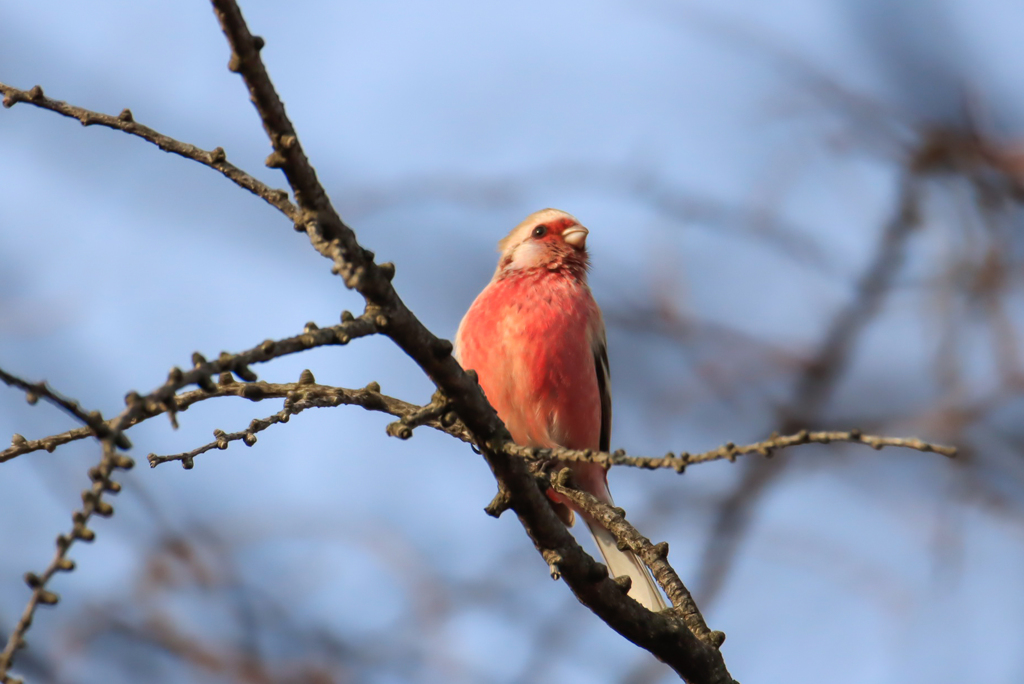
(540, 231)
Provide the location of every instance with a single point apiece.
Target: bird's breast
(530, 340)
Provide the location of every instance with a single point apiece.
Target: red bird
(536, 339)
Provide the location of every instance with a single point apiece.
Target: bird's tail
(643, 588)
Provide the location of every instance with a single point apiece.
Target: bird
(536, 339)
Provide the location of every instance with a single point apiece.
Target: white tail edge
(643, 589)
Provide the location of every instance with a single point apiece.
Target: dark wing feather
(605, 388)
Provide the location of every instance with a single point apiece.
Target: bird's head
(549, 238)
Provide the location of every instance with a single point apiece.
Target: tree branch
(727, 451)
(817, 382)
(298, 397)
(666, 637)
(682, 640)
(92, 502)
(163, 399)
(349, 329)
(34, 391)
(655, 556)
(125, 121)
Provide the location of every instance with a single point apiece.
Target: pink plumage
(536, 339)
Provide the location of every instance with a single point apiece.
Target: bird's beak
(576, 236)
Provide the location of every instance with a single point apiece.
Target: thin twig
(125, 121)
(92, 502)
(349, 329)
(20, 445)
(299, 397)
(34, 391)
(728, 451)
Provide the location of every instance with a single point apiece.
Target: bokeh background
(802, 214)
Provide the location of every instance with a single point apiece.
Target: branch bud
(443, 349)
(122, 462)
(48, 598)
(245, 373)
(399, 429)
(275, 160)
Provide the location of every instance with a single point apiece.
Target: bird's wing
(604, 387)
